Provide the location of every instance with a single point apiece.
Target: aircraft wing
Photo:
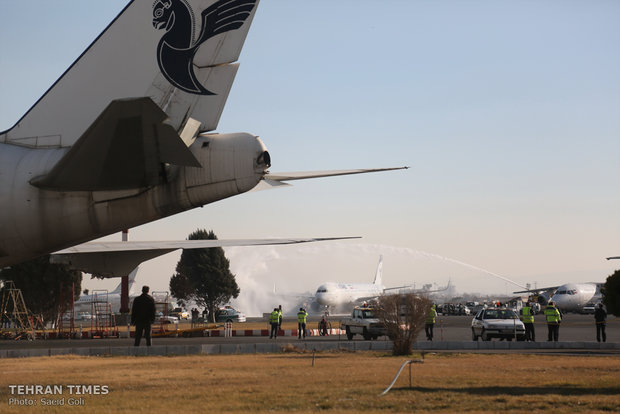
(412, 290)
(539, 290)
(113, 259)
(274, 180)
(615, 257)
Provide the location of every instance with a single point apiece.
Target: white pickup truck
(363, 321)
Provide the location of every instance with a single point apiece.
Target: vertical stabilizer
(179, 53)
(132, 279)
(379, 274)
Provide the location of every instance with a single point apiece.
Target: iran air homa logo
(177, 47)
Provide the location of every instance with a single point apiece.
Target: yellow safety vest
(431, 316)
(526, 315)
(552, 315)
(301, 316)
(274, 317)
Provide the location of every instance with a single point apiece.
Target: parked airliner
(85, 302)
(339, 295)
(569, 297)
(572, 297)
(124, 137)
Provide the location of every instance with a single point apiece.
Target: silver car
(497, 323)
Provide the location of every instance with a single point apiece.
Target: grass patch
(339, 382)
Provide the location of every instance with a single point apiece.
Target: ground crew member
(323, 326)
(274, 319)
(302, 316)
(553, 316)
(430, 323)
(142, 316)
(280, 317)
(527, 316)
(600, 316)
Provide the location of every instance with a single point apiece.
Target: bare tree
(403, 316)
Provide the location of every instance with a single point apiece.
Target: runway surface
(577, 329)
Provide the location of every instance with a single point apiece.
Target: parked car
(160, 318)
(229, 314)
(497, 323)
(83, 316)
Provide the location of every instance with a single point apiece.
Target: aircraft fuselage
(36, 221)
(572, 297)
(333, 294)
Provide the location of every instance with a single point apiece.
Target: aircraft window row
(566, 292)
(321, 291)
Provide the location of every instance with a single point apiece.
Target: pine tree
(611, 293)
(203, 276)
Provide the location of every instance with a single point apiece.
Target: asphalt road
(574, 328)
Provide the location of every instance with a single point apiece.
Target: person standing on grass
(142, 316)
(600, 316)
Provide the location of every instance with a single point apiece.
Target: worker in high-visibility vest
(302, 317)
(527, 316)
(430, 323)
(280, 318)
(274, 320)
(553, 317)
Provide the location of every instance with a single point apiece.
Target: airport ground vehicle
(363, 321)
(453, 309)
(229, 314)
(499, 323)
(180, 313)
(588, 308)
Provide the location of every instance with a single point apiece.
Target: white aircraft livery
(337, 294)
(342, 295)
(572, 297)
(85, 302)
(569, 297)
(124, 138)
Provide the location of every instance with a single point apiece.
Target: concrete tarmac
(577, 332)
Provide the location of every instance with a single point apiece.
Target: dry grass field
(338, 382)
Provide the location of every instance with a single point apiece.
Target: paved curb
(265, 332)
(491, 345)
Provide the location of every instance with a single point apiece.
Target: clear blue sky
(508, 114)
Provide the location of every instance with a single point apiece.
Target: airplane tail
(178, 53)
(379, 274)
(132, 280)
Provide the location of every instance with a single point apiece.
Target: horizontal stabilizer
(112, 259)
(278, 180)
(123, 149)
(319, 174)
